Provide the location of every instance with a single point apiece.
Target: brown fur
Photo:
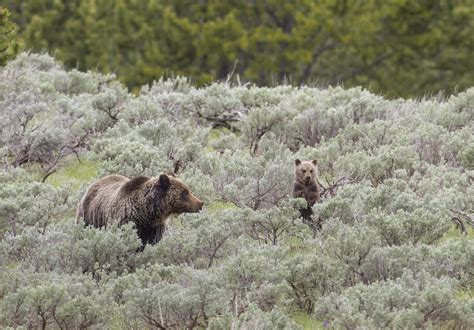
(306, 185)
(145, 201)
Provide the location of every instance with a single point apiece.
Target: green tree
(9, 44)
(401, 48)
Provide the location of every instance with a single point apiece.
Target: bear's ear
(164, 182)
(315, 162)
(297, 162)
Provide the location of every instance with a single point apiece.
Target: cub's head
(174, 196)
(305, 171)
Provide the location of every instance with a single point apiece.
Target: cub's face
(178, 197)
(305, 171)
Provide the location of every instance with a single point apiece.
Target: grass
(306, 322)
(214, 135)
(75, 173)
(217, 133)
(466, 294)
(217, 206)
(455, 233)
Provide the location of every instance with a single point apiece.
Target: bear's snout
(196, 204)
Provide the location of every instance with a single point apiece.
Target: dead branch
(460, 218)
(332, 187)
(221, 121)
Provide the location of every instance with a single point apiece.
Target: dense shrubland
(394, 176)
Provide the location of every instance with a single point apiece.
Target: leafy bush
(412, 300)
(393, 176)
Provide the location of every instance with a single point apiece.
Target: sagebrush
(393, 176)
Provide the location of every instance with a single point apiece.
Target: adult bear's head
(174, 197)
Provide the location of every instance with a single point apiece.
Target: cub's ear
(164, 182)
(297, 162)
(315, 162)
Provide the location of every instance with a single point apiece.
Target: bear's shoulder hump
(134, 184)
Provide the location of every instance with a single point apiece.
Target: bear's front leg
(159, 231)
(298, 190)
(150, 235)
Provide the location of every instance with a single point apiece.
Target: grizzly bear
(145, 201)
(306, 185)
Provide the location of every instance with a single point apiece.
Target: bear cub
(145, 201)
(306, 186)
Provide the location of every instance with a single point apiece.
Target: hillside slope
(394, 176)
